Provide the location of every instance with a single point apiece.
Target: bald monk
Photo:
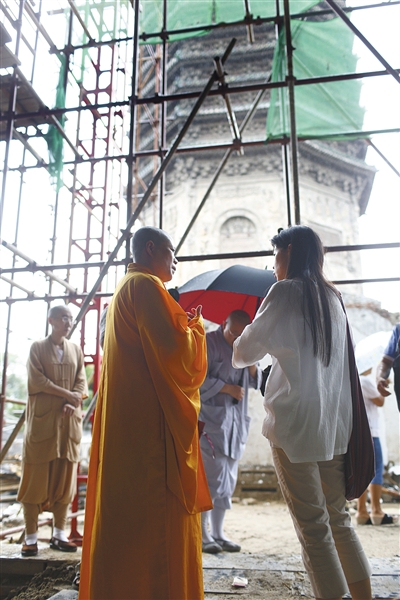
(147, 485)
(53, 430)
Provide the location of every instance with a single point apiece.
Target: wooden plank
(7, 487)
(31, 566)
(5, 37)
(7, 58)
(260, 483)
(12, 437)
(27, 101)
(22, 566)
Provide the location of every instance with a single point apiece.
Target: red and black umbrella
(223, 290)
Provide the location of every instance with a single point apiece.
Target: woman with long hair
(308, 422)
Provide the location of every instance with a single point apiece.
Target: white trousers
(331, 551)
(222, 474)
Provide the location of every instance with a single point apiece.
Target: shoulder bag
(359, 460)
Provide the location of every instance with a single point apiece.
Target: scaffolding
(110, 146)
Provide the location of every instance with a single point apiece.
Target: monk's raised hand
(195, 312)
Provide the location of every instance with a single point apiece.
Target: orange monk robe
(147, 486)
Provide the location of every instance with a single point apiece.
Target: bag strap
(359, 458)
(348, 331)
(353, 371)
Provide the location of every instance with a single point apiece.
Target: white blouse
(308, 405)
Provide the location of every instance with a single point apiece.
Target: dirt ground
(271, 554)
(270, 558)
(45, 585)
(266, 528)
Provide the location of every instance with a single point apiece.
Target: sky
(381, 223)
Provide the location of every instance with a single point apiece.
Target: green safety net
(110, 19)
(324, 110)
(183, 14)
(53, 137)
(107, 18)
(322, 48)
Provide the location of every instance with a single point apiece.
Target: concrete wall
(242, 213)
(248, 203)
(362, 319)
(258, 450)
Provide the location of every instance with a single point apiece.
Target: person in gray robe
(224, 410)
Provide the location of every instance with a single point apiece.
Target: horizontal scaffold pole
(253, 254)
(127, 232)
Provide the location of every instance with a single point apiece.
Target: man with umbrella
(224, 410)
(390, 360)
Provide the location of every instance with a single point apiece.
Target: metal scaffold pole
(9, 136)
(219, 169)
(163, 120)
(132, 124)
(119, 81)
(290, 79)
(151, 187)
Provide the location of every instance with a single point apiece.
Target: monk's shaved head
(144, 235)
(234, 324)
(153, 249)
(239, 316)
(58, 311)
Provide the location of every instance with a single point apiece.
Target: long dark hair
(306, 263)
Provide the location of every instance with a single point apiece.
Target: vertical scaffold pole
(163, 121)
(132, 125)
(9, 133)
(284, 147)
(293, 134)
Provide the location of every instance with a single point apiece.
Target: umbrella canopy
(223, 290)
(369, 351)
